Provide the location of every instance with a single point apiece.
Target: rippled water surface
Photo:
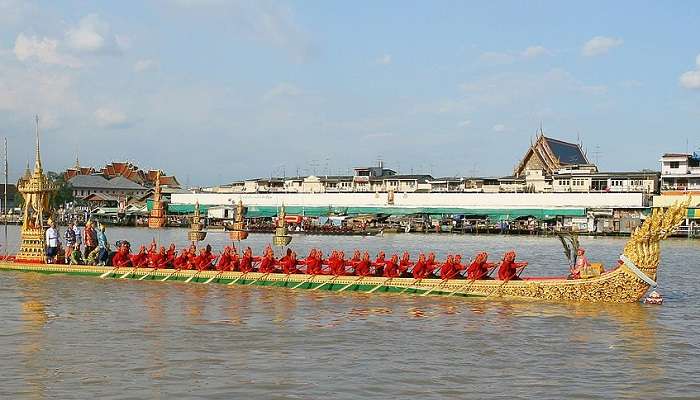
(82, 337)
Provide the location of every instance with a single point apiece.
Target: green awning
(494, 214)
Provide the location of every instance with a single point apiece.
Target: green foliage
(64, 192)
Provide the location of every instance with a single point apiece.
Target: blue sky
(215, 90)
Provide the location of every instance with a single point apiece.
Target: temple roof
(567, 153)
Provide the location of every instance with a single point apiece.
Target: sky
(215, 91)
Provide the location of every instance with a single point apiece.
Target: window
(675, 164)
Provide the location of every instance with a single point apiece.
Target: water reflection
(35, 316)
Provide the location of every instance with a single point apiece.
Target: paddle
(129, 272)
(214, 277)
(108, 273)
(260, 278)
(471, 282)
(326, 282)
(387, 280)
(352, 283)
(304, 281)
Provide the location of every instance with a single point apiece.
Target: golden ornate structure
(197, 232)
(282, 237)
(36, 190)
(238, 231)
(157, 218)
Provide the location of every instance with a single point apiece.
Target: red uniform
(420, 270)
(289, 264)
(246, 264)
(391, 268)
(121, 258)
(224, 263)
(140, 259)
(479, 269)
(448, 270)
(267, 264)
(509, 267)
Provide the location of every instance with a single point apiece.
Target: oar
(239, 278)
(326, 282)
(144, 277)
(352, 283)
(261, 277)
(415, 281)
(504, 283)
(444, 281)
(214, 277)
(194, 276)
(108, 273)
(129, 272)
(171, 274)
(387, 280)
(304, 281)
(471, 282)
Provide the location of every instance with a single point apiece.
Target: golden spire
(37, 164)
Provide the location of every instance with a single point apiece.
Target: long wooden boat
(627, 283)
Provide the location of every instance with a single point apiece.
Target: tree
(64, 191)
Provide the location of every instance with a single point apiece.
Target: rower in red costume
(379, 263)
(447, 269)
(191, 257)
(224, 263)
(420, 270)
(247, 261)
(479, 269)
(509, 267)
(314, 265)
(391, 267)
(140, 259)
(203, 261)
(404, 264)
(180, 261)
(459, 267)
(267, 262)
(171, 254)
(356, 257)
(431, 264)
(289, 263)
(158, 260)
(363, 267)
(235, 260)
(122, 257)
(340, 264)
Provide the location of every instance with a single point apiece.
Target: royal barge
(625, 284)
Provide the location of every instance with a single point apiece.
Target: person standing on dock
(78, 236)
(52, 243)
(69, 236)
(103, 245)
(90, 236)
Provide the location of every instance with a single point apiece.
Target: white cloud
(465, 123)
(144, 65)
(110, 118)
(499, 128)
(600, 45)
(44, 50)
(691, 79)
(534, 51)
(93, 35)
(384, 60)
(282, 90)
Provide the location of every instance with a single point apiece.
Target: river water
(82, 337)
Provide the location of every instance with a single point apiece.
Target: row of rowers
(336, 264)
